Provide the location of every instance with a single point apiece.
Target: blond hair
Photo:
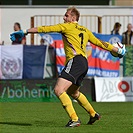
(74, 12)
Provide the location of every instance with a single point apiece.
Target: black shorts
(75, 70)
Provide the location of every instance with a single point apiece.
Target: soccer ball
(118, 45)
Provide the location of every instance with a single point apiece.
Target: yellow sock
(82, 100)
(67, 104)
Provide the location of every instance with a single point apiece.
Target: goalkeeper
(75, 38)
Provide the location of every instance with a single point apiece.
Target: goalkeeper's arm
(105, 45)
(31, 30)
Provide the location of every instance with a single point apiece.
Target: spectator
(17, 27)
(116, 29)
(127, 36)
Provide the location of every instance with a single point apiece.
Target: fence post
(99, 24)
(32, 35)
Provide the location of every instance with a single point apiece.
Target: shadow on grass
(15, 123)
(36, 123)
(48, 123)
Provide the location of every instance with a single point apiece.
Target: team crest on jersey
(11, 68)
(114, 40)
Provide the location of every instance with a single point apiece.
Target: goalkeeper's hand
(121, 51)
(18, 35)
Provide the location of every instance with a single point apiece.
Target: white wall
(0, 27)
(9, 15)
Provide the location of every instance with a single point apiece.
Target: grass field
(51, 118)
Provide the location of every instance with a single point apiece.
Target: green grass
(51, 118)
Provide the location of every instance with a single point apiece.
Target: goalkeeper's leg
(60, 90)
(82, 100)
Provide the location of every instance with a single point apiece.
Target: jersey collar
(75, 22)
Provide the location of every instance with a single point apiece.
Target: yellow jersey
(75, 38)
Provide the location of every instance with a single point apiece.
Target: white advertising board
(114, 89)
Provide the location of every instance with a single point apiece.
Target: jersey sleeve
(52, 28)
(100, 43)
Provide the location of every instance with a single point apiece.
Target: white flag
(12, 61)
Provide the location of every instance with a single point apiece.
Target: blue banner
(34, 61)
(108, 38)
(30, 61)
(101, 62)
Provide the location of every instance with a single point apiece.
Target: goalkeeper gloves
(121, 51)
(18, 35)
